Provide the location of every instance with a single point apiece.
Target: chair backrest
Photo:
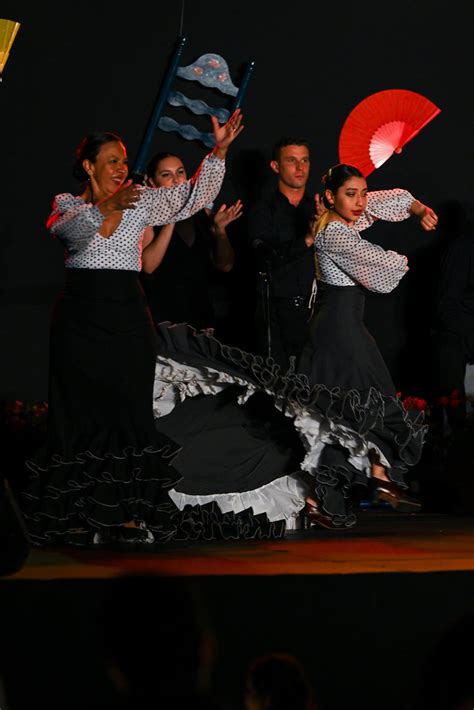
(211, 71)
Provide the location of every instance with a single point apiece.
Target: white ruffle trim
(174, 382)
(316, 434)
(282, 499)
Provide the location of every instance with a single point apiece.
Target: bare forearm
(153, 254)
(428, 218)
(223, 252)
(417, 208)
(220, 152)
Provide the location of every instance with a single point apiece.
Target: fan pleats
(381, 125)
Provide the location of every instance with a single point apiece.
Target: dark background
(77, 67)
(366, 640)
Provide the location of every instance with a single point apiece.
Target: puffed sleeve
(368, 264)
(389, 205)
(73, 220)
(172, 204)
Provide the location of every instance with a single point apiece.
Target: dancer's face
(169, 172)
(110, 169)
(292, 166)
(350, 199)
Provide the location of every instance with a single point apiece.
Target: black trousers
(281, 327)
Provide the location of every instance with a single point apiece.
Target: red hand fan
(381, 125)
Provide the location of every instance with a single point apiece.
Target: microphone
(263, 258)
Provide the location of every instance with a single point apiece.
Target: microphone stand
(264, 288)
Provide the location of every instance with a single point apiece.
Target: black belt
(297, 301)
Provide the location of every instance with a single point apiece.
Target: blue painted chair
(210, 70)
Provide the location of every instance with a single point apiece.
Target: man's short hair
(283, 142)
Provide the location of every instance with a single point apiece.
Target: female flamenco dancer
(238, 447)
(343, 355)
(177, 277)
(104, 469)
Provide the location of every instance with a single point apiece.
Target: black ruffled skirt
(194, 439)
(105, 463)
(343, 355)
(248, 431)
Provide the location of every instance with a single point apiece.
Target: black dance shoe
(135, 535)
(397, 497)
(312, 516)
(122, 533)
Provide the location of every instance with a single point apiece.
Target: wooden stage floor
(377, 597)
(381, 542)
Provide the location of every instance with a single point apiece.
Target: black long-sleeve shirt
(278, 228)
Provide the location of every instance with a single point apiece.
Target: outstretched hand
(225, 215)
(124, 198)
(226, 134)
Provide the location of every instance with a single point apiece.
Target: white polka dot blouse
(75, 223)
(345, 259)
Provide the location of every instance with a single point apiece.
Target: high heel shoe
(124, 533)
(393, 494)
(313, 516)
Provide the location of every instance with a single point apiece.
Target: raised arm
(368, 264)
(223, 254)
(173, 204)
(76, 220)
(226, 134)
(395, 206)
